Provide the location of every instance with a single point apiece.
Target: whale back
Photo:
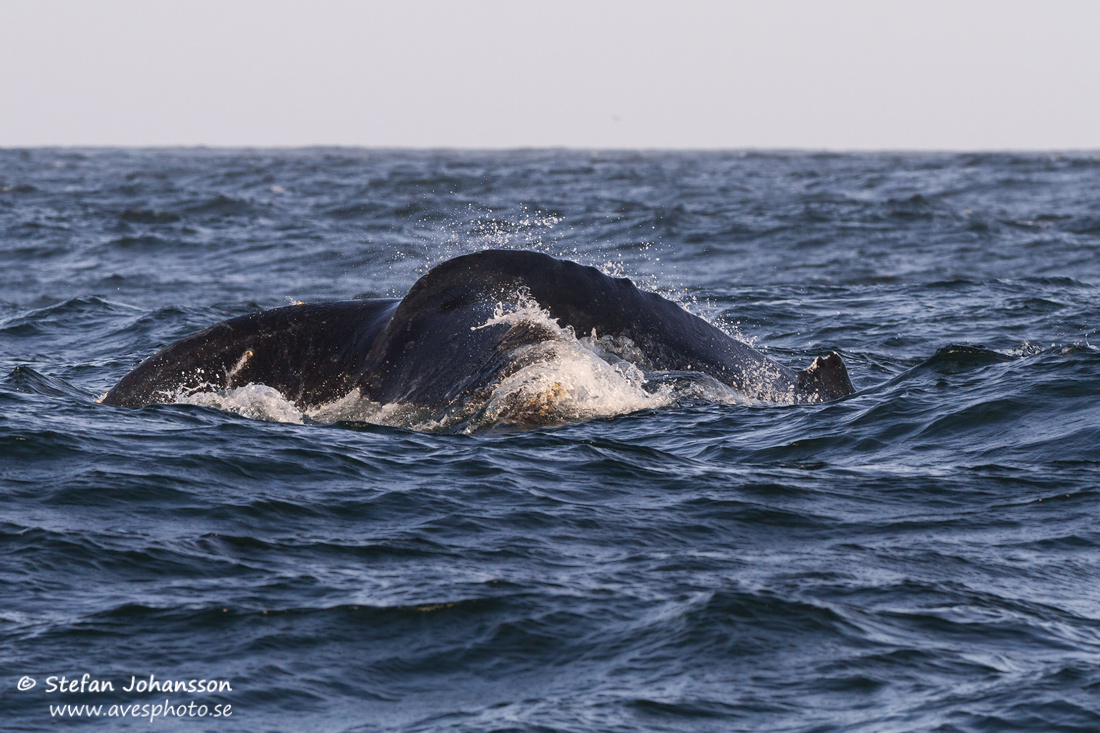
(439, 329)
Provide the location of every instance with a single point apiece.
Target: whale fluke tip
(827, 377)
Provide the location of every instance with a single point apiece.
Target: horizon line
(561, 148)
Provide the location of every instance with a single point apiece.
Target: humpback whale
(450, 341)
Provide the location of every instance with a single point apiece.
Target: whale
(446, 341)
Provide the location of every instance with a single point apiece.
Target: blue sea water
(922, 555)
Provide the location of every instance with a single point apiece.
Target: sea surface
(923, 555)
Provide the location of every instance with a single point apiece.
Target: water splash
(557, 380)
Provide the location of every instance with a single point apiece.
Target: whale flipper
(312, 354)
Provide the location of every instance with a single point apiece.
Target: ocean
(922, 555)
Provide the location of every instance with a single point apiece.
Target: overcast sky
(836, 74)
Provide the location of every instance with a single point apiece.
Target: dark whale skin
(312, 354)
(432, 347)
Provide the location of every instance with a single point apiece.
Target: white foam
(561, 379)
(1025, 349)
(257, 401)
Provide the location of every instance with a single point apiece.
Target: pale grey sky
(836, 74)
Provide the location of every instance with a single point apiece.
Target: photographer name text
(87, 683)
